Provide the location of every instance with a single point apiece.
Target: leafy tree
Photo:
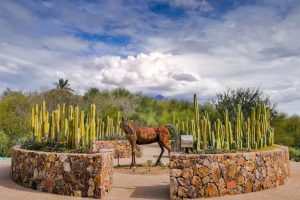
(63, 85)
(121, 92)
(287, 130)
(14, 119)
(247, 97)
(4, 145)
(54, 97)
(144, 113)
(91, 93)
(15, 110)
(125, 101)
(210, 108)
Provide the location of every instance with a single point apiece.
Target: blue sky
(169, 47)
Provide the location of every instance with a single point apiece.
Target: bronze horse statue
(137, 134)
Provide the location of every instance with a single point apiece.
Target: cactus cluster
(251, 133)
(73, 128)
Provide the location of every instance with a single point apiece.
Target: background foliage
(15, 110)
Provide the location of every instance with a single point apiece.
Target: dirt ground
(140, 184)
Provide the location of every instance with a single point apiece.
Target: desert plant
(251, 133)
(197, 121)
(74, 130)
(4, 145)
(294, 154)
(63, 85)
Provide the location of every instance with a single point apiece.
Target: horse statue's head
(127, 126)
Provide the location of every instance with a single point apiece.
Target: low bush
(4, 145)
(50, 146)
(113, 137)
(294, 154)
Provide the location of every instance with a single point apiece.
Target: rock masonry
(211, 175)
(82, 175)
(121, 147)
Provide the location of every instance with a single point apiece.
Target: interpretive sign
(186, 141)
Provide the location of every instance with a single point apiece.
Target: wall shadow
(5, 180)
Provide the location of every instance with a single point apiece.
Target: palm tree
(63, 85)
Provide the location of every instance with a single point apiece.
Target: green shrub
(294, 154)
(4, 145)
(114, 137)
(50, 146)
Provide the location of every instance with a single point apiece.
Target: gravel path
(137, 186)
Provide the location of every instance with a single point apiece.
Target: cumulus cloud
(152, 73)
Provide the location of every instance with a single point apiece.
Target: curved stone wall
(121, 147)
(85, 175)
(210, 175)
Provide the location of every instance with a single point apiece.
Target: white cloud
(64, 43)
(249, 46)
(154, 73)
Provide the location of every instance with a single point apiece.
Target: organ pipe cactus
(82, 129)
(197, 122)
(75, 142)
(118, 131)
(227, 139)
(92, 133)
(73, 129)
(250, 133)
(204, 129)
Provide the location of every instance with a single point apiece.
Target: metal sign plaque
(186, 141)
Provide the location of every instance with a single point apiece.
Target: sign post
(149, 163)
(187, 142)
(118, 154)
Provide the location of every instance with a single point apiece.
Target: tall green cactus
(72, 129)
(197, 121)
(118, 130)
(82, 129)
(92, 124)
(228, 143)
(75, 143)
(250, 133)
(219, 134)
(206, 131)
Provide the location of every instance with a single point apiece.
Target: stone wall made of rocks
(210, 175)
(83, 175)
(121, 147)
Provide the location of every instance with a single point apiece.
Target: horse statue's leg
(161, 153)
(133, 149)
(163, 143)
(167, 146)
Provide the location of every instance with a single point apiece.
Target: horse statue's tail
(174, 135)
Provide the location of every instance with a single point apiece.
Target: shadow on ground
(151, 192)
(6, 182)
